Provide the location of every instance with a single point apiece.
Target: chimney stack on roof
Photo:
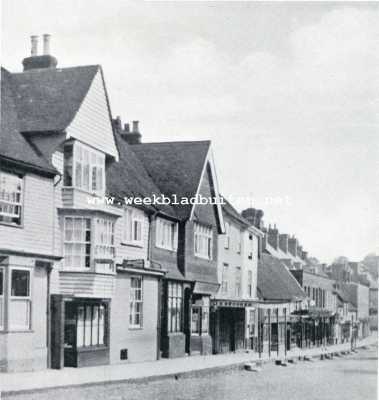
(46, 44)
(36, 61)
(254, 216)
(34, 45)
(283, 242)
(292, 245)
(273, 237)
(131, 137)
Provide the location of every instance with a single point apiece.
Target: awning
(205, 288)
(216, 303)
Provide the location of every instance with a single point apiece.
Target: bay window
(104, 246)
(133, 223)
(136, 302)
(84, 168)
(11, 189)
(167, 234)
(203, 241)
(77, 242)
(20, 299)
(174, 307)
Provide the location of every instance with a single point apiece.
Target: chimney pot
(46, 44)
(135, 128)
(126, 128)
(34, 45)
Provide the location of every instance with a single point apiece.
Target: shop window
(175, 301)
(199, 320)
(136, 302)
(20, 300)
(11, 189)
(90, 326)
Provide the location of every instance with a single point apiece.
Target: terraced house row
(88, 282)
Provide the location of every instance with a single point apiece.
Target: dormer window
(84, 168)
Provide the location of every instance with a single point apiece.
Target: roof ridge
(35, 70)
(174, 142)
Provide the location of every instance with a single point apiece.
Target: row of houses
(94, 271)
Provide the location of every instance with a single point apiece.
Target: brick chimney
(283, 242)
(299, 250)
(254, 216)
(292, 245)
(36, 61)
(130, 136)
(273, 237)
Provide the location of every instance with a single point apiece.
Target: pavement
(14, 383)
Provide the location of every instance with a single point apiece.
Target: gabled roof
(175, 167)
(48, 99)
(275, 281)
(128, 178)
(13, 145)
(229, 209)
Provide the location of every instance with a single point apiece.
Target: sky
(287, 92)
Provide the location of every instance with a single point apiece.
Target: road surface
(352, 377)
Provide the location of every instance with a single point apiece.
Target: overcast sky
(287, 92)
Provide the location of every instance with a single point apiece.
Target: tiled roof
(48, 99)
(13, 145)
(275, 281)
(175, 167)
(128, 178)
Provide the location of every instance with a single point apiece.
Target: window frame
(238, 280)
(20, 204)
(95, 162)
(250, 283)
(133, 301)
(84, 243)
(13, 298)
(130, 218)
(227, 236)
(203, 233)
(225, 279)
(85, 306)
(202, 329)
(161, 235)
(177, 305)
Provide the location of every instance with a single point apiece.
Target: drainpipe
(48, 316)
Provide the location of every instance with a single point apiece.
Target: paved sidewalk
(47, 379)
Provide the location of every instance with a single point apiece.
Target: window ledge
(138, 245)
(166, 248)
(16, 331)
(91, 348)
(136, 328)
(12, 225)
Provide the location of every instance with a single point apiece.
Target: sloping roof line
(48, 99)
(14, 146)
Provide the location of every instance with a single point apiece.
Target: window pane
(87, 326)
(80, 327)
(67, 177)
(20, 283)
(1, 282)
(19, 314)
(101, 324)
(95, 325)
